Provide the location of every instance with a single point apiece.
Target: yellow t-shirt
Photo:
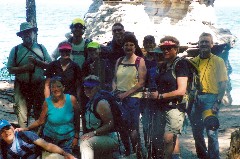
(127, 77)
(211, 71)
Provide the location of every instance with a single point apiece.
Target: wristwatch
(160, 96)
(219, 101)
(95, 132)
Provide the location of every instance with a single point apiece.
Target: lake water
(54, 18)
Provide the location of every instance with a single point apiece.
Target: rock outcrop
(184, 19)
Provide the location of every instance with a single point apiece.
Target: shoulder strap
(40, 46)
(120, 61)
(24, 137)
(29, 49)
(15, 54)
(173, 67)
(137, 62)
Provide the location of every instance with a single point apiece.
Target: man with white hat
(27, 145)
(28, 61)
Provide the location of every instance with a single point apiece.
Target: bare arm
(104, 111)
(76, 118)
(47, 88)
(53, 148)
(21, 69)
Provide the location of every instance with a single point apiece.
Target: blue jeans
(204, 102)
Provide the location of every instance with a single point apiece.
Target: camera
(210, 120)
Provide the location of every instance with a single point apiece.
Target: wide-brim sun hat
(3, 123)
(26, 26)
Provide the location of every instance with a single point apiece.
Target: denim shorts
(131, 111)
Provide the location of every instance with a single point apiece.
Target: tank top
(127, 77)
(59, 123)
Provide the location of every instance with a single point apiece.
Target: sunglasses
(117, 30)
(166, 48)
(78, 26)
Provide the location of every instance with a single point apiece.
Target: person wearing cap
(98, 141)
(60, 117)
(169, 116)
(147, 105)
(27, 145)
(213, 79)
(95, 65)
(28, 61)
(129, 78)
(65, 68)
(79, 44)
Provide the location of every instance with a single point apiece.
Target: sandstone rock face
(234, 151)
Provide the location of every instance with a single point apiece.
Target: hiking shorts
(169, 121)
(131, 111)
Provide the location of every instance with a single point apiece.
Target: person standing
(213, 80)
(79, 44)
(28, 61)
(169, 116)
(129, 78)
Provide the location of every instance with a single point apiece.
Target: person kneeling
(99, 139)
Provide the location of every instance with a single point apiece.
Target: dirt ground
(229, 120)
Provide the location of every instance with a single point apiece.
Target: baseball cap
(65, 46)
(3, 123)
(156, 50)
(94, 45)
(78, 21)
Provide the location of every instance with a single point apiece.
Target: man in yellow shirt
(213, 78)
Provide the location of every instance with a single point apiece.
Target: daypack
(193, 83)
(115, 109)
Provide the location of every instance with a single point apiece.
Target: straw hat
(26, 26)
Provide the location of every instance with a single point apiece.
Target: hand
(215, 108)
(87, 136)
(29, 67)
(32, 59)
(75, 142)
(153, 95)
(69, 156)
(21, 129)
(121, 96)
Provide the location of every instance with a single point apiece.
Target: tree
(31, 14)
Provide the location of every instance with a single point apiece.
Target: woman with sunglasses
(60, 117)
(129, 78)
(170, 91)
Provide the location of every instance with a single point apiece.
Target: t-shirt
(70, 76)
(211, 71)
(22, 146)
(166, 82)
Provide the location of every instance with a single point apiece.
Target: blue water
(54, 18)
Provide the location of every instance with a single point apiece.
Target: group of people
(151, 81)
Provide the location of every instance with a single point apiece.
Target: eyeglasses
(117, 30)
(166, 48)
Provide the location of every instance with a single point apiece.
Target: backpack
(114, 106)
(87, 41)
(193, 83)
